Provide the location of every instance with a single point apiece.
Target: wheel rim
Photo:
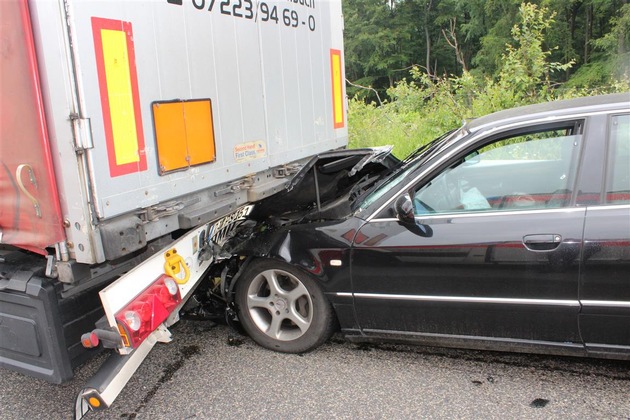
(280, 305)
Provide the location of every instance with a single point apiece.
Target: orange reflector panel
(337, 88)
(184, 133)
(94, 402)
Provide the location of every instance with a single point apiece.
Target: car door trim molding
(597, 347)
(606, 303)
(491, 213)
(607, 207)
(465, 299)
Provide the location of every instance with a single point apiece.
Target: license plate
(220, 231)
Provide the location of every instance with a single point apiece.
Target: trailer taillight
(148, 310)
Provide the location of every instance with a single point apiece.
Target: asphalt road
(204, 374)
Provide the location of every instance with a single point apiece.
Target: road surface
(207, 373)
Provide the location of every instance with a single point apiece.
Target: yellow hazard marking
(121, 106)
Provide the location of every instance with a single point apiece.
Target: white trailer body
(266, 74)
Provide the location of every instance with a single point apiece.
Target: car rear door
(605, 274)
(494, 253)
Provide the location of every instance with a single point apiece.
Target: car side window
(527, 170)
(618, 179)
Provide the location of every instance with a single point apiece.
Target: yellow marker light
(94, 402)
(337, 88)
(124, 336)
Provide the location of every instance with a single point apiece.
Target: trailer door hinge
(82, 130)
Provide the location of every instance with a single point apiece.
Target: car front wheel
(283, 308)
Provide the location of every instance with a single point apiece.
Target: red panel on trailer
(30, 216)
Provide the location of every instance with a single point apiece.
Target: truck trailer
(134, 136)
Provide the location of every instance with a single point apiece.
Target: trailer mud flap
(39, 329)
(103, 388)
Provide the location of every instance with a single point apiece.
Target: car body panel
(471, 276)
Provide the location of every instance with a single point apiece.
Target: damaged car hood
(326, 186)
(341, 159)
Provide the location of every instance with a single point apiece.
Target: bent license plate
(221, 229)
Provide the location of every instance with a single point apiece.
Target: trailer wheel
(283, 308)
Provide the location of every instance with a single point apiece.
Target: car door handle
(544, 242)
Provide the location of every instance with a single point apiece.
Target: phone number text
(248, 9)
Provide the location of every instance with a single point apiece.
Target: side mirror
(404, 209)
(406, 217)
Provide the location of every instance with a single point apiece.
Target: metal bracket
(286, 170)
(234, 187)
(82, 130)
(51, 267)
(150, 214)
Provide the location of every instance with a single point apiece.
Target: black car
(510, 233)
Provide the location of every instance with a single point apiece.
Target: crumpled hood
(326, 186)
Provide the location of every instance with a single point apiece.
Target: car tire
(283, 308)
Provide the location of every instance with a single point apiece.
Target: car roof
(588, 104)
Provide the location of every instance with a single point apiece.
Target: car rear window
(618, 179)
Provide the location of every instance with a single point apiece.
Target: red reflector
(89, 340)
(148, 310)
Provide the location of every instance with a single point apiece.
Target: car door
(493, 253)
(605, 274)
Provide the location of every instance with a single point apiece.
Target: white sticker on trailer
(250, 151)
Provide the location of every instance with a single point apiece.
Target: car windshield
(420, 155)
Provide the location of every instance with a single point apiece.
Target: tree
(386, 38)
(526, 69)
(611, 55)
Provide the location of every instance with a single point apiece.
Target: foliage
(525, 68)
(422, 106)
(613, 53)
(384, 39)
